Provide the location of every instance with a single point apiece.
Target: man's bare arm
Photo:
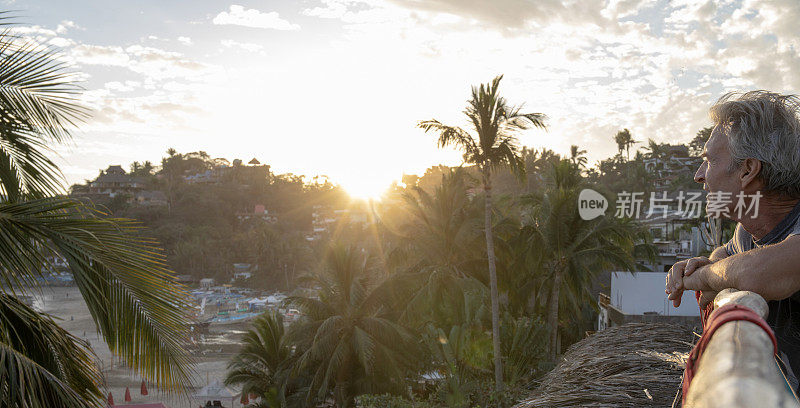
(675, 276)
(717, 255)
(772, 271)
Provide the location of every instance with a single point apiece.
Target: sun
(367, 190)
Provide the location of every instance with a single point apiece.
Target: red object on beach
(110, 398)
(244, 399)
(144, 388)
(127, 395)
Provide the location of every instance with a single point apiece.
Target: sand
(70, 311)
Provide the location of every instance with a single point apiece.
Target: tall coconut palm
(624, 142)
(350, 345)
(493, 145)
(570, 250)
(132, 297)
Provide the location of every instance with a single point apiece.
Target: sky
(336, 87)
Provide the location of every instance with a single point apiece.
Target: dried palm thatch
(634, 365)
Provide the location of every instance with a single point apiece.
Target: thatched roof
(634, 365)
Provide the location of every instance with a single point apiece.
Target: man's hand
(674, 280)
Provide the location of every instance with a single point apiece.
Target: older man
(754, 151)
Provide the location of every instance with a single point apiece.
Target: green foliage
(349, 343)
(493, 145)
(64, 372)
(699, 141)
(263, 366)
(569, 251)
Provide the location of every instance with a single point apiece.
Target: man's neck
(771, 211)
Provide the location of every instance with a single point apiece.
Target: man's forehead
(715, 142)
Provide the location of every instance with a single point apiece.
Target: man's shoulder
(740, 242)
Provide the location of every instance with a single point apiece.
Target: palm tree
(349, 344)
(493, 145)
(132, 297)
(655, 149)
(624, 141)
(577, 156)
(570, 250)
(263, 364)
(435, 248)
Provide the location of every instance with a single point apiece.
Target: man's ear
(749, 171)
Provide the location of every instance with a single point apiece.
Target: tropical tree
(350, 343)
(436, 248)
(570, 250)
(577, 156)
(654, 149)
(263, 365)
(131, 295)
(493, 145)
(624, 142)
(699, 141)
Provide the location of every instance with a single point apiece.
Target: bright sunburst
(365, 189)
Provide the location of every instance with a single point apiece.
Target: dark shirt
(784, 315)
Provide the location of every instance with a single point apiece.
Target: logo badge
(591, 204)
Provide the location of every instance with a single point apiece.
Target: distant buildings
(672, 163)
(324, 220)
(254, 170)
(243, 271)
(259, 212)
(115, 182)
(672, 214)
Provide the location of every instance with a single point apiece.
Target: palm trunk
(498, 363)
(552, 313)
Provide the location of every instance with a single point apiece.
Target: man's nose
(700, 174)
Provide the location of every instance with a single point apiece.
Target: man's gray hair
(765, 126)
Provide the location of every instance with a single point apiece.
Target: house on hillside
(110, 183)
(673, 163)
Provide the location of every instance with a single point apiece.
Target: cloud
(67, 25)
(118, 86)
(32, 31)
(249, 47)
(100, 55)
(238, 15)
(185, 40)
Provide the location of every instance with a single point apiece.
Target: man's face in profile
(715, 173)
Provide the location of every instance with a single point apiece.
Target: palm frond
(42, 364)
(133, 298)
(38, 103)
(453, 136)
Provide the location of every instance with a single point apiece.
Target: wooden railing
(737, 368)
